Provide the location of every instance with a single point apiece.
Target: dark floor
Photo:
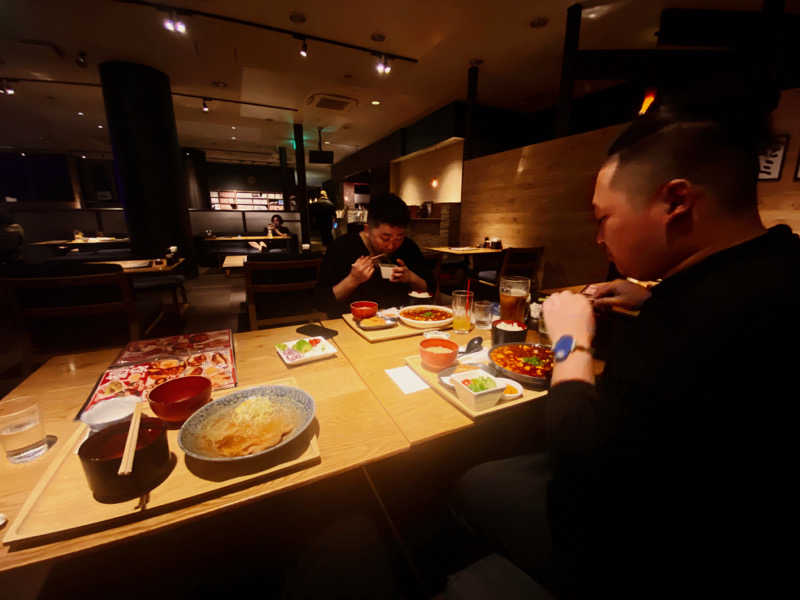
(383, 532)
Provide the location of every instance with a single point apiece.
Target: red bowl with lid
(175, 400)
(363, 309)
(101, 455)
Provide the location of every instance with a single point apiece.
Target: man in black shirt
(668, 476)
(350, 269)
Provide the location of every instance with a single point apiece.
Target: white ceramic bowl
(427, 324)
(477, 400)
(108, 412)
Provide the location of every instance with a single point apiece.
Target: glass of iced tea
(462, 310)
(21, 433)
(514, 294)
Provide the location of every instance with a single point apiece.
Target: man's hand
(621, 293)
(566, 313)
(362, 269)
(402, 274)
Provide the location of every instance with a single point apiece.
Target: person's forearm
(578, 366)
(345, 288)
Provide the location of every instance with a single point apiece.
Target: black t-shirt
(338, 261)
(677, 460)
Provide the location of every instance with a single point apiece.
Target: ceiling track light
(383, 66)
(174, 24)
(7, 88)
(304, 49)
(205, 105)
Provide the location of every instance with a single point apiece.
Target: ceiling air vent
(331, 102)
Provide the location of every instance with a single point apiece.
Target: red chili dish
(525, 359)
(426, 314)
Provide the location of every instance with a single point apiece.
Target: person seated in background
(276, 226)
(350, 270)
(12, 237)
(668, 475)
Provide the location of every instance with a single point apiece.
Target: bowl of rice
(506, 331)
(437, 353)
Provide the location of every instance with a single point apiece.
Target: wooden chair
(290, 286)
(433, 260)
(44, 293)
(526, 262)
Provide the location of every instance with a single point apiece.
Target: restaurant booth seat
(525, 262)
(494, 577)
(281, 291)
(65, 307)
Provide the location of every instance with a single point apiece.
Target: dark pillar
(287, 182)
(302, 194)
(194, 168)
(571, 38)
(147, 158)
(472, 99)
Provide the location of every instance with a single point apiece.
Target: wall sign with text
(770, 163)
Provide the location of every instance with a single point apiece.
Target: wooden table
(464, 251)
(235, 261)
(354, 429)
(245, 238)
(423, 415)
(130, 268)
(83, 242)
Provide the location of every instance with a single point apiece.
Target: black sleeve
(335, 267)
(572, 418)
(416, 262)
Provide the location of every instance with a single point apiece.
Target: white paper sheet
(408, 381)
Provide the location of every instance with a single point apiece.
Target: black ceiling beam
(644, 64)
(97, 85)
(190, 12)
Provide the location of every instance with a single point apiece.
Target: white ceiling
(520, 70)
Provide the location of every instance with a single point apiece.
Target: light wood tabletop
(82, 241)
(135, 267)
(354, 429)
(464, 250)
(423, 415)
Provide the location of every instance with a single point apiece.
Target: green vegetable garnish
(532, 360)
(427, 314)
(480, 384)
(302, 346)
(281, 347)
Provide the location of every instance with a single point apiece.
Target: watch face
(563, 347)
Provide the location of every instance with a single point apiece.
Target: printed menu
(144, 364)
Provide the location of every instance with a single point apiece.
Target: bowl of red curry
(426, 316)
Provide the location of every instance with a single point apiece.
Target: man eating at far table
(351, 270)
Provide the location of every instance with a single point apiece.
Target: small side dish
(305, 350)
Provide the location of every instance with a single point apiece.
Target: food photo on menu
(144, 364)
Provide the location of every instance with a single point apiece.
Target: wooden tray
(381, 335)
(62, 503)
(432, 379)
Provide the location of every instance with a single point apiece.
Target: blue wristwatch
(564, 346)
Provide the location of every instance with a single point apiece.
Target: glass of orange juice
(462, 310)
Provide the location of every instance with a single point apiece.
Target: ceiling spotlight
(387, 67)
(233, 137)
(81, 60)
(380, 66)
(205, 105)
(375, 102)
(81, 113)
(83, 156)
(22, 154)
(304, 49)
(99, 126)
(233, 127)
(434, 183)
(7, 88)
(174, 24)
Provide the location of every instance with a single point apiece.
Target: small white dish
(108, 412)
(436, 334)
(477, 400)
(291, 356)
(505, 381)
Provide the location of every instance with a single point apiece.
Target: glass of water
(21, 433)
(483, 314)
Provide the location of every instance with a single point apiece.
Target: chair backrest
(71, 290)
(433, 260)
(526, 262)
(282, 275)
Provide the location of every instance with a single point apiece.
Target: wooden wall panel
(541, 195)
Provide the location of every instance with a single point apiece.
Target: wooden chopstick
(126, 465)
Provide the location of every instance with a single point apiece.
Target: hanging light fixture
(380, 66)
(304, 49)
(7, 88)
(174, 24)
(387, 66)
(205, 106)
